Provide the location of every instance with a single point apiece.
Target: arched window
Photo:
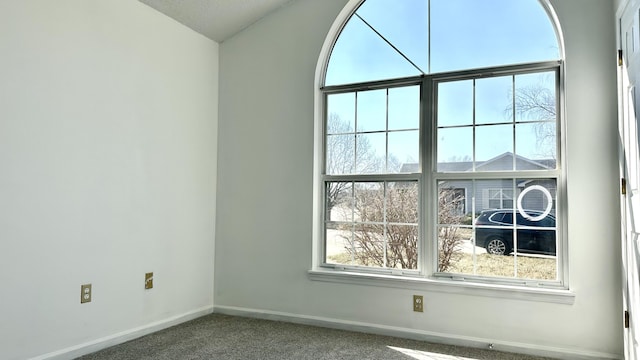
(413, 37)
(441, 151)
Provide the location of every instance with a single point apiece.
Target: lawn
(538, 268)
(528, 267)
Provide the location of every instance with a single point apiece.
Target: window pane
(339, 201)
(453, 203)
(455, 149)
(403, 150)
(339, 238)
(536, 228)
(341, 152)
(484, 249)
(469, 34)
(372, 110)
(351, 59)
(370, 153)
(536, 241)
(494, 147)
(404, 24)
(531, 238)
(402, 202)
(494, 100)
(535, 197)
(404, 108)
(493, 194)
(495, 265)
(342, 113)
(455, 103)
(536, 146)
(537, 268)
(369, 245)
(369, 204)
(465, 34)
(453, 247)
(382, 229)
(402, 246)
(535, 97)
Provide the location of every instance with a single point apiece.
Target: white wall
(264, 226)
(108, 146)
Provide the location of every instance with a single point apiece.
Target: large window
(441, 142)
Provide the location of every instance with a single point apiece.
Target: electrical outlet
(148, 280)
(85, 293)
(418, 303)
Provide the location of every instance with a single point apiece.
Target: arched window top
(390, 39)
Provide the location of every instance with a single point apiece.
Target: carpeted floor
(228, 337)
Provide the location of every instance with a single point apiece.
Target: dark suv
(494, 232)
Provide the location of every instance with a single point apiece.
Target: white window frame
(426, 274)
(525, 291)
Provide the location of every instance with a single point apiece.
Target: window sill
(558, 296)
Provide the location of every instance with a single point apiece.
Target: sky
(463, 34)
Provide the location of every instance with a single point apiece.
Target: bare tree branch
(537, 103)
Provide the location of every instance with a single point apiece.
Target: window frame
(428, 178)
(559, 173)
(385, 177)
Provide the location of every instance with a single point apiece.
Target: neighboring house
(496, 194)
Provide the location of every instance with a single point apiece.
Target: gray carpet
(229, 337)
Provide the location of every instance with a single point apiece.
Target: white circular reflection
(546, 211)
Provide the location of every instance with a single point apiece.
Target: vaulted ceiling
(216, 19)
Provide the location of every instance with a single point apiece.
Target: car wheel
(497, 246)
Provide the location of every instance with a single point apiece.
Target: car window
(522, 221)
(507, 218)
(496, 217)
(548, 221)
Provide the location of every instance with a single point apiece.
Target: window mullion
(355, 134)
(513, 119)
(428, 127)
(474, 158)
(386, 135)
(384, 223)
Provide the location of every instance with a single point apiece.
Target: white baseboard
(449, 339)
(119, 338)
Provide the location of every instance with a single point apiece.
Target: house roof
(505, 158)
